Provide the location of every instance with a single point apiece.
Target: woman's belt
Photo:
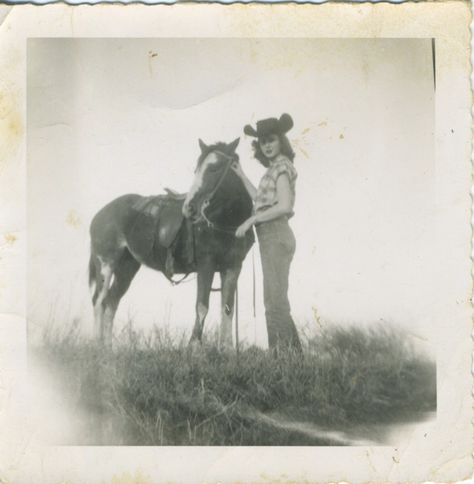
(280, 219)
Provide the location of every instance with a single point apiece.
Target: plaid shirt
(267, 191)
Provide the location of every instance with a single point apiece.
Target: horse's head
(212, 166)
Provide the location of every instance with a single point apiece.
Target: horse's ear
(202, 145)
(234, 144)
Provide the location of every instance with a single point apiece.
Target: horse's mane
(219, 146)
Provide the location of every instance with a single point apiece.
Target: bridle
(228, 229)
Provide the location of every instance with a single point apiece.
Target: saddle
(162, 218)
(166, 210)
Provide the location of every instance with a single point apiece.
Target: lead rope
(254, 298)
(237, 321)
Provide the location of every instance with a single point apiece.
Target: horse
(196, 228)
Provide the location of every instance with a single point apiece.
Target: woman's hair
(285, 149)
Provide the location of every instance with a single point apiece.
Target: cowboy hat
(270, 126)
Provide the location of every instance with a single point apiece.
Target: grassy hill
(152, 391)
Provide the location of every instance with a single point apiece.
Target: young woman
(273, 206)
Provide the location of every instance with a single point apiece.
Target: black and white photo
(240, 245)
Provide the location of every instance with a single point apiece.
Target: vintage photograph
(236, 243)
(231, 242)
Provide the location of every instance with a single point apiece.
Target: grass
(152, 391)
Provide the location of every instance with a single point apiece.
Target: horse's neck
(234, 201)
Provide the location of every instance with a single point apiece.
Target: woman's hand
(241, 231)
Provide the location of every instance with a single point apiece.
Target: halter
(207, 200)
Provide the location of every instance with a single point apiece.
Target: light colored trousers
(277, 246)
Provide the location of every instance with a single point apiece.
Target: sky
(113, 116)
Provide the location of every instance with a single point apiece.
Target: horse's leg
(94, 280)
(205, 276)
(123, 275)
(229, 279)
(105, 273)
